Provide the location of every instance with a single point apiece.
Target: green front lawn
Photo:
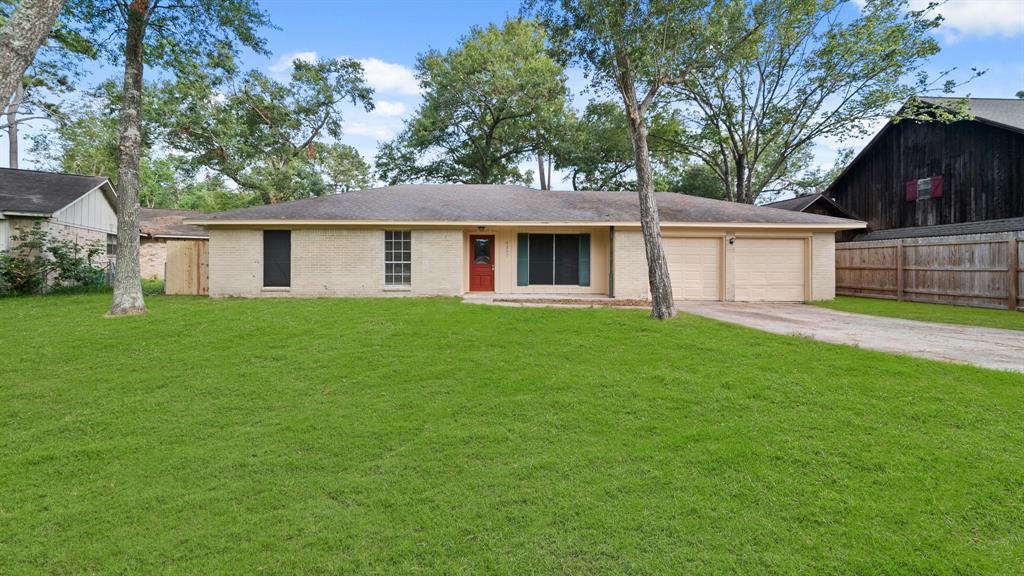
(990, 317)
(406, 436)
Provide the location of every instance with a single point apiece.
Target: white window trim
(924, 188)
(392, 287)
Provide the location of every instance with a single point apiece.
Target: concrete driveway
(985, 347)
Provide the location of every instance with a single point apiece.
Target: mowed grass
(407, 436)
(988, 317)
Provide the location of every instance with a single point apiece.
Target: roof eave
(847, 225)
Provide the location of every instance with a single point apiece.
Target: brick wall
(630, 265)
(335, 262)
(152, 258)
(823, 268)
(236, 262)
(61, 231)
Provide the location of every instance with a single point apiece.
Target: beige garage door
(694, 264)
(770, 269)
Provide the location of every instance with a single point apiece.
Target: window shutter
(523, 260)
(936, 186)
(911, 190)
(584, 259)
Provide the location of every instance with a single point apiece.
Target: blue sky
(386, 37)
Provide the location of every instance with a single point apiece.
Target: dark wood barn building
(915, 174)
(944, 204)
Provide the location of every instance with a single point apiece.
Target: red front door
(481, 264)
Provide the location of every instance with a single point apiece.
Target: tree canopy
(784, 73)
(488, 104)
(272, 138)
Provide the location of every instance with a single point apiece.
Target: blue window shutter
(584, 259)
(523, 260)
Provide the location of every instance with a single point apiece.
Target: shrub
(37, 259)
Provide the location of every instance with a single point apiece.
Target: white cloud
(389, 78)
(978, 17)
(964, 18)
(370, 129)
(283, 66)
(388, 109)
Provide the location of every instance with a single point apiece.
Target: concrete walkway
(985, 347)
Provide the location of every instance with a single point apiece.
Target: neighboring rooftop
(816, 203)
(1004, 112)
(36, 192)
(166, 223)
(500, 203)
(959, 229)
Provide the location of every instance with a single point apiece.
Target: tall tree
(42, 92)
(488, 105)
(267, 136)
(177, 36)
(596, 152)
(806, 70)
(343, 167)
(637, 49)
(20, 37)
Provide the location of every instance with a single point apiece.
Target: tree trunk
(741, 176)
(12, 125)
(550, 162)
(20, 37)
(127, 278)
(663, 304)
(540, 171)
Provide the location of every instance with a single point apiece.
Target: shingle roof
(797, 204)
(500, 203)
(165, 223)
(1005, 112)
(959, 229)
(37, 192)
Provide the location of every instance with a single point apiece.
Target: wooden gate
(187, 270)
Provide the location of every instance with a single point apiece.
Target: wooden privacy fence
(187, 269)
(970, 271)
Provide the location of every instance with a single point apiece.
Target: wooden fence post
(1012, 266)
(899, 269)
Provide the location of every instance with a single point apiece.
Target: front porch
(528, 300)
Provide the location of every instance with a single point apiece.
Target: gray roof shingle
(166, 223)
(958, 229)
(797, 204)
(38, 192)
(1005, 112)
(501, 203)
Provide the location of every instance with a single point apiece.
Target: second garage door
(694, 264)
(770, 269)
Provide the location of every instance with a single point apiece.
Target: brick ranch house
(82, 209)
(511, 240)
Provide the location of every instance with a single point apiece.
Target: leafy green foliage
(426, 436)
(693, 178)
(267, 136)
(85, 141)
(595, 148)
(784, 73)
(343, 167)
(37, 260)
(488, 104)
(179, 36)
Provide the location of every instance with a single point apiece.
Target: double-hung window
(397, 258)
